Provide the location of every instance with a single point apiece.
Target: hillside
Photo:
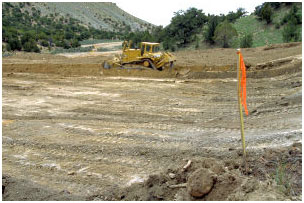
(263, 33)
(34, 27)
(100, 15)
(39, 26)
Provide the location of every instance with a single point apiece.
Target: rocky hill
(100, 15)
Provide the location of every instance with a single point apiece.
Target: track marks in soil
(90, 132)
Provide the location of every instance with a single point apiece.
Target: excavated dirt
(74, 131)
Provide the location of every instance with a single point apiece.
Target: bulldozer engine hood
(163, 55)
(157, 55)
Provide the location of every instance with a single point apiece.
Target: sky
(160, 12)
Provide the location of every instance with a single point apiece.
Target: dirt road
(85, 137)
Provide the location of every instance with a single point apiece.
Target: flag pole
(240, 108)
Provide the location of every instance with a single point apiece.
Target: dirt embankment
(199, 64)
(209, 179)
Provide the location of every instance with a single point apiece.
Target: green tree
(85, 35)
(30, 35)
(158, 33)
(290, 32)
(224, 32)
(293, 13)
(31, 46)
(209, 34)
(275, 5)
(266, 13)
(258, 11)
(14, 43)
(247, 41)
(75, 43)
(169, 44)
(184, 25)
(66, 44)
(232, 17)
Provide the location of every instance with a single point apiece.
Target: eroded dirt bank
(128, 138)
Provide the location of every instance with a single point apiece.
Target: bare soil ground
(73, 131)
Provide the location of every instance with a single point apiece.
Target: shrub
(14, 44)
(44, 43)
(75, 43)
(8, 47)
(224, 32)
(247, 41)
(266, 13)
(31, 46)
(209, 33)
(290, 33)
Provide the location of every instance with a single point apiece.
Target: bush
(31, 46)
(223, 34)
(168, 44)
(75, 43)
(290, 33)
(292, 15)
(8, 47)
(209, 34)
(247, 41)
(266, 13)
(66, 44)
(14, 44)
(44, 43)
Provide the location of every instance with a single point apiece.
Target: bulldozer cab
(148, 47)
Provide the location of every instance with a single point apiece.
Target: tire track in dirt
(85, 135)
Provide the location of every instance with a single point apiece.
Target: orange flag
(243, 83)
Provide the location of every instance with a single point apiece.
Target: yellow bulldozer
(148, 55)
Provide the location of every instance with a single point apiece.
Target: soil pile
(274, 175)
(269, 178)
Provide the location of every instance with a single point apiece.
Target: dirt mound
(221, 183)
(278, 46)
(273, 175)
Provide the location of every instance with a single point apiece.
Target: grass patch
(97, 41)
(114, 48)
(7, 54)
(72, 50)
(263, 34)
(282, 179)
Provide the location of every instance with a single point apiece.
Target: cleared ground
(85, 136)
